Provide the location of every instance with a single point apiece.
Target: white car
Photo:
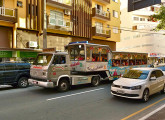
(139, 83)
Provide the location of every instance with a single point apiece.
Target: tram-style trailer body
(83, 63)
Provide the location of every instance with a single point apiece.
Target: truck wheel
(23, 82)
(145, 96)
(95, 81)
(163, 91)
(63, 86)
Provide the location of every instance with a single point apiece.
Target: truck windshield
(43, 59)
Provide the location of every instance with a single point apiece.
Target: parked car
(139, 83)
(15, 74)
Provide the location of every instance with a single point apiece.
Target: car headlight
(136, 87)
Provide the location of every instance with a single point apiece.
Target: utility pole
(45, 27)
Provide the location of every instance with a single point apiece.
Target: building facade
(28, 24)
(138, 33)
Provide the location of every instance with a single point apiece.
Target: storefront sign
(26, 54)
(5, 54)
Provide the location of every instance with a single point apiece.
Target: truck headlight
(136, 87)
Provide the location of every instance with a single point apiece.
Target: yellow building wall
(114, 22)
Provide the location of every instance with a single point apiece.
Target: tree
(160, 16)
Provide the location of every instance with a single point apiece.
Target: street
(80, 103)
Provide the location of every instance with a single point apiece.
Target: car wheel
(23, 82)
(163, 91)
(63, 86)
(95, 81)
(145, 96)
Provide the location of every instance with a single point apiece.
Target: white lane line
(75, 94)
(151, 113)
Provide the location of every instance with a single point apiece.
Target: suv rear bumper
(41, 83)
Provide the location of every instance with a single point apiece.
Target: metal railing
(7, 12)
(101, 30)
(102, 13)
(67, 2)
(60, 23)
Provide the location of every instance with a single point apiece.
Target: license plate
(120, 91)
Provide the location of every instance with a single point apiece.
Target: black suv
(15, 74)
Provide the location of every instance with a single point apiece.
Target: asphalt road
(80, 103)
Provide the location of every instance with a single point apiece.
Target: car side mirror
(152, 78)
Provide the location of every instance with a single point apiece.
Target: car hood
(128, 82)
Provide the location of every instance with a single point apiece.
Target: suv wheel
(23, 82)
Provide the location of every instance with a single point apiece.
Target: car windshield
(136, 74)
(43, 59)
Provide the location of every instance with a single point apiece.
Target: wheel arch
(63, 77)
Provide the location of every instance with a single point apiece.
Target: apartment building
(22, 24)
(138, 34)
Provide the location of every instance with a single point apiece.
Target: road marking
(75, 94)
(151, 113)
(142, 109)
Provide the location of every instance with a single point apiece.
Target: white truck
(82, 63)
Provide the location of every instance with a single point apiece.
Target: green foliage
(160, 16)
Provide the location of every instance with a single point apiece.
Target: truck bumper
(41, 83)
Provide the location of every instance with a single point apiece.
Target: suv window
(1, 67)
(59, 59)
(23, 66)
(9, 66)
(159, 73)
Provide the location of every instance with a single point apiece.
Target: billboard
(139, 4)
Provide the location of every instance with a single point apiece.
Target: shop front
(156, 57)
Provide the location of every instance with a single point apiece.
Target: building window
(56, 18)
(1, 3)
(115, 0)
(115, 14)
(142, 19)
(136, 18)
(19, 4)
(115, 30)
(99, 27)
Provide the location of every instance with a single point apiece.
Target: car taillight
(49, 81)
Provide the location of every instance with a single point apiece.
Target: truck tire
(145, 96)
(23, 82)
(63, 86)
(163, 91)
(95, 81)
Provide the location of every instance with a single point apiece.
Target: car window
(9, 66)
(158, 73)
(1, 67)
(153, 74)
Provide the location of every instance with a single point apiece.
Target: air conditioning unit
(67, 12)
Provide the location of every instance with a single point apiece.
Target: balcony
(104, 1)
(63, 4)
(60, 24)
(9, 15)
(100, 32)
(102, 15)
